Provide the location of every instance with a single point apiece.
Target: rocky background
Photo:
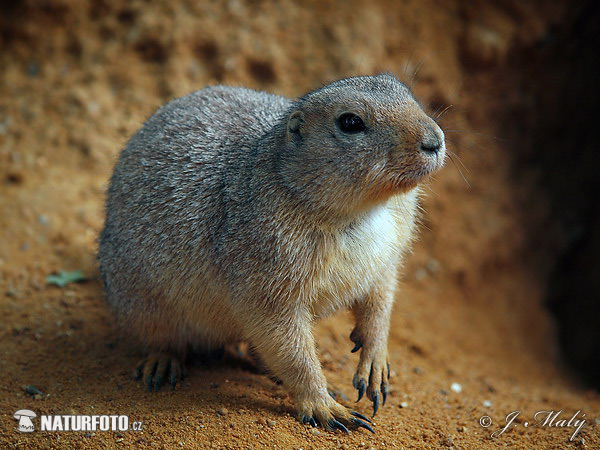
(499, 307)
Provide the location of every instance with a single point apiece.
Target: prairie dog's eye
(351, 123)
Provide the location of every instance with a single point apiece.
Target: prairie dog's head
(358, 141)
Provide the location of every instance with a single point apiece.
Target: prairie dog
(236, 215)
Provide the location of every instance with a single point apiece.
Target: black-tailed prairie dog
(236, 215)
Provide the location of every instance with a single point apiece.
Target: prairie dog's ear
(295, 122)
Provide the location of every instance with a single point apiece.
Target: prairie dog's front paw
(372, 376)
(331, 415)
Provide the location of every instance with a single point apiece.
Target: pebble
(487, 403)
(222, 411)
(11, 292)
(404, 405)
(271, 423)
(456, 387)
(4, 125)
(420, 274)
(448, 442)
(93, 107)
(315, 432)
(433, 265)
(33, 69)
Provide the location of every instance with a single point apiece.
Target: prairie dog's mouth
(405, 172)
(408, 177)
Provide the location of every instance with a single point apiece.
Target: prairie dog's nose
(432, 140)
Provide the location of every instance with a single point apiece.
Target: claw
(384, 392)
(149, 382)
(362, 387)
(309, 420)
(176, 372)
(157, 369)
(139, 370)
(158, 382)
(162, 368)
(357, 341)
(375, 403)
(360, 416)
(362, 424)
(335, 425)
(388, 370)
(149, 371)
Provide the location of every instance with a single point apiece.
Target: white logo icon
(24, 417)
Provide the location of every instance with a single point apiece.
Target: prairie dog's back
(167, 196)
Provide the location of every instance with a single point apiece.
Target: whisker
(450, 152)
(438, 116)
(416, 73)
(428, 185)
(477, 134)
(459, 171)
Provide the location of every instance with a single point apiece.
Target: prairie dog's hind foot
(158, 368)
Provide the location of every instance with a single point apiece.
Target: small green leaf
(63, 278)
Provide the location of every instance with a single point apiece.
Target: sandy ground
(78, 78)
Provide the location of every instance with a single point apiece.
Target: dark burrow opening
(558, 133)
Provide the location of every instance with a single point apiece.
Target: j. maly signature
(550, 419)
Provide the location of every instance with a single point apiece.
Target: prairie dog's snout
(432, 141)
(432, 146)
(417, 147)
(421, 132)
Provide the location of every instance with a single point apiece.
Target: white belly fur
(358, 259)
